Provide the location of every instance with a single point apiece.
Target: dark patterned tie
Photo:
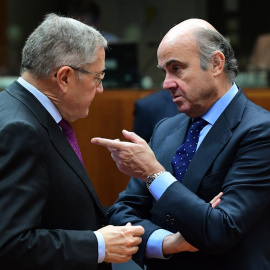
(185, 152)
(70, 134)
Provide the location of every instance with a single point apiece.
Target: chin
(185, 111)
(182, 109)
(85, 114)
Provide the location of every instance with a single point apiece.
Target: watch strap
(150, 179)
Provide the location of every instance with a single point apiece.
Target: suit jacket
(150, 110)
(49, 208)
(234, 158)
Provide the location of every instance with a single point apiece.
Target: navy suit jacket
(150, 110)
(234, 158)
(49, 208)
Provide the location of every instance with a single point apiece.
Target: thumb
(133, 137)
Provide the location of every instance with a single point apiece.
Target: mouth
(176, 98)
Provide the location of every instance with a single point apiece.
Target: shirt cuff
(154, 244)
(101, 246)
(161, 183)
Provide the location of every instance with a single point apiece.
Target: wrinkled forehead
(176, 47)
(180, 39)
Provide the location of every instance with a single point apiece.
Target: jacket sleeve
(134, 205)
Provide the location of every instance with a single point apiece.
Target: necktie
(185, 152)
(70, 134)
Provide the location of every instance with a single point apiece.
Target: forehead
(100, 59)
(181, 49)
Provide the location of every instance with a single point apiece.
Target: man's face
(192, 89)
(83, 89)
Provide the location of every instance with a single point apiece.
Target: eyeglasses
(99, 76)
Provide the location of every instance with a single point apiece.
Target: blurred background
(135, 28)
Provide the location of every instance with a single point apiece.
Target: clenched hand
(121, 242)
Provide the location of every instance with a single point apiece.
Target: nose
(169, 84)
(100, 88)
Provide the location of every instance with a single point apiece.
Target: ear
(218, 63)
(63, 78)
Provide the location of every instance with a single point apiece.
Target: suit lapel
(214, 142)
(64, 148)
(166, 152)
(56, 136)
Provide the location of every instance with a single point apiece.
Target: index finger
(118, 145)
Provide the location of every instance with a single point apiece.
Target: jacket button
(168, 217)
(172, 221)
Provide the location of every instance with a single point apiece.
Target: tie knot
(198, 123)
(65, 125)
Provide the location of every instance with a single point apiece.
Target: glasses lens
(100, 78)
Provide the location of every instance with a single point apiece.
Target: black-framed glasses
(99, 76)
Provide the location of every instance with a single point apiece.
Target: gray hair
(60, 41)
(209, 41)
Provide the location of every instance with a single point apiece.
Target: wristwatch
(150, 179)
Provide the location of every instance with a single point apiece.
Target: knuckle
(127, 258)
(129, 242)
(135, 249)
(139, 240)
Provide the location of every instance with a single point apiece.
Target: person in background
(150, 110)
(220, 141)
(51, 217)
(260, 56)
(89, 12)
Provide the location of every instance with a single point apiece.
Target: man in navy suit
(232, 156)
(150, 110)
(51, 217)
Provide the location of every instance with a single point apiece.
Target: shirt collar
(43, 99)
(217, 109)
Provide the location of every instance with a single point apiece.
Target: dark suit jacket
(150, 110)
(48, 206)
(234, 158)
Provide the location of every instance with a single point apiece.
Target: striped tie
(70, 134)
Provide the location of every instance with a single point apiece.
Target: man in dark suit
(51, 217)
(232, 155)
(150, 110)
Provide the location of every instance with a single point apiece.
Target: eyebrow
(170, 62)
